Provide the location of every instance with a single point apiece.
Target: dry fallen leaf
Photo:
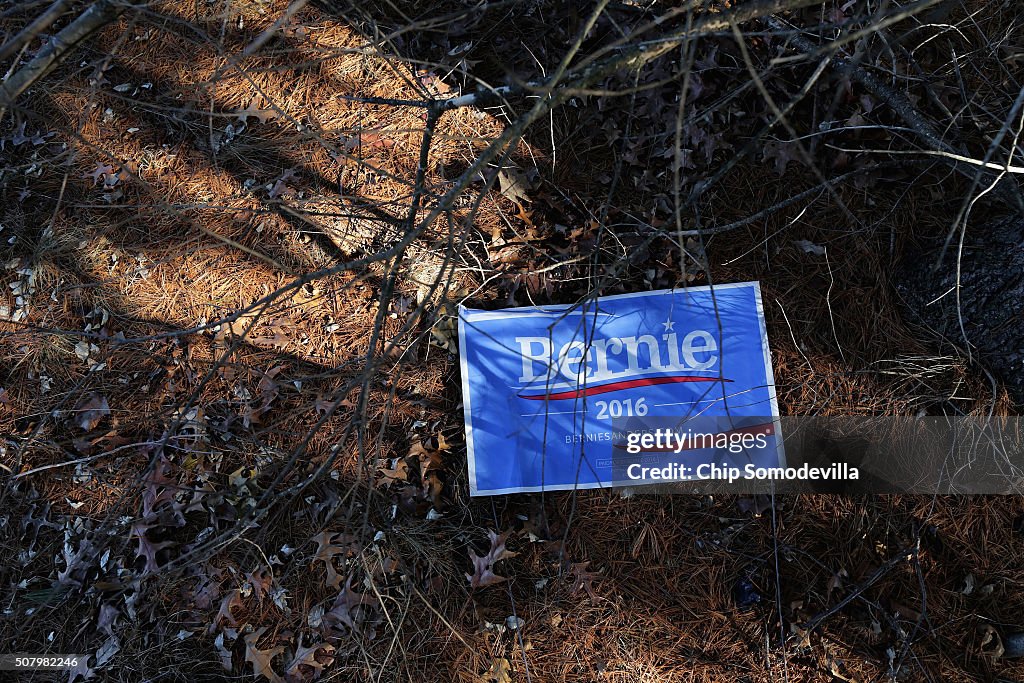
(325, 552)
(400, 472)
(342, 610)
(105, 621)
(432, 488)
(223, 652)
(835, 583)
(991, 644)
(261, 114)
(147, 548)
(77, 563)
(809, 247)
(755, 504)
(581, 578)
(279, 340)
(81, 671)
(232, 599)
(836, 668)
(365, 141)
(429, 459)
(514, 184)
(100, 171)
(280, 186)
(323, 406)
(160, 488)
(305, 658)
(781, 152)
(498, 673)
(261, 581)
(444, 331)
(261, 659)
(87, 353)
(91, 410)
(111, 646)
(483, 567)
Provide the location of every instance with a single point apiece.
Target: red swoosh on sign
(617, 386)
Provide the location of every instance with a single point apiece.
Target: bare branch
(97, 16)
(41, 23)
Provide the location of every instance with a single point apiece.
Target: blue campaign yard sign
(542, 385)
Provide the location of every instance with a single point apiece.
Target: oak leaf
(781, 153)
(81, 669)
(105, 621)
(304, 662)
(101, 171)
(581, 578)
(498, 673)
(514, 184)
(160, 488)
(261, 114)
(77, 563)
(400, 472)
(342, 610)
(148, 549)
(261, 581)
(232, 599)
(429, 459)
(91, 410)
(280, 186)
(261, 659)
(206, 590)
(325, 552)
(223, 652)
(483, 567)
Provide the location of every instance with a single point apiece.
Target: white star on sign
(668, 325)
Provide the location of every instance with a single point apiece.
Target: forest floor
(226, 456)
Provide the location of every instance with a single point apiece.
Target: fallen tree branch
(764, 213)
(897, 101)
(629, 57)
(98, 15)
(900, 557)
(901, 105)
(40, 24)
(980, 163)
